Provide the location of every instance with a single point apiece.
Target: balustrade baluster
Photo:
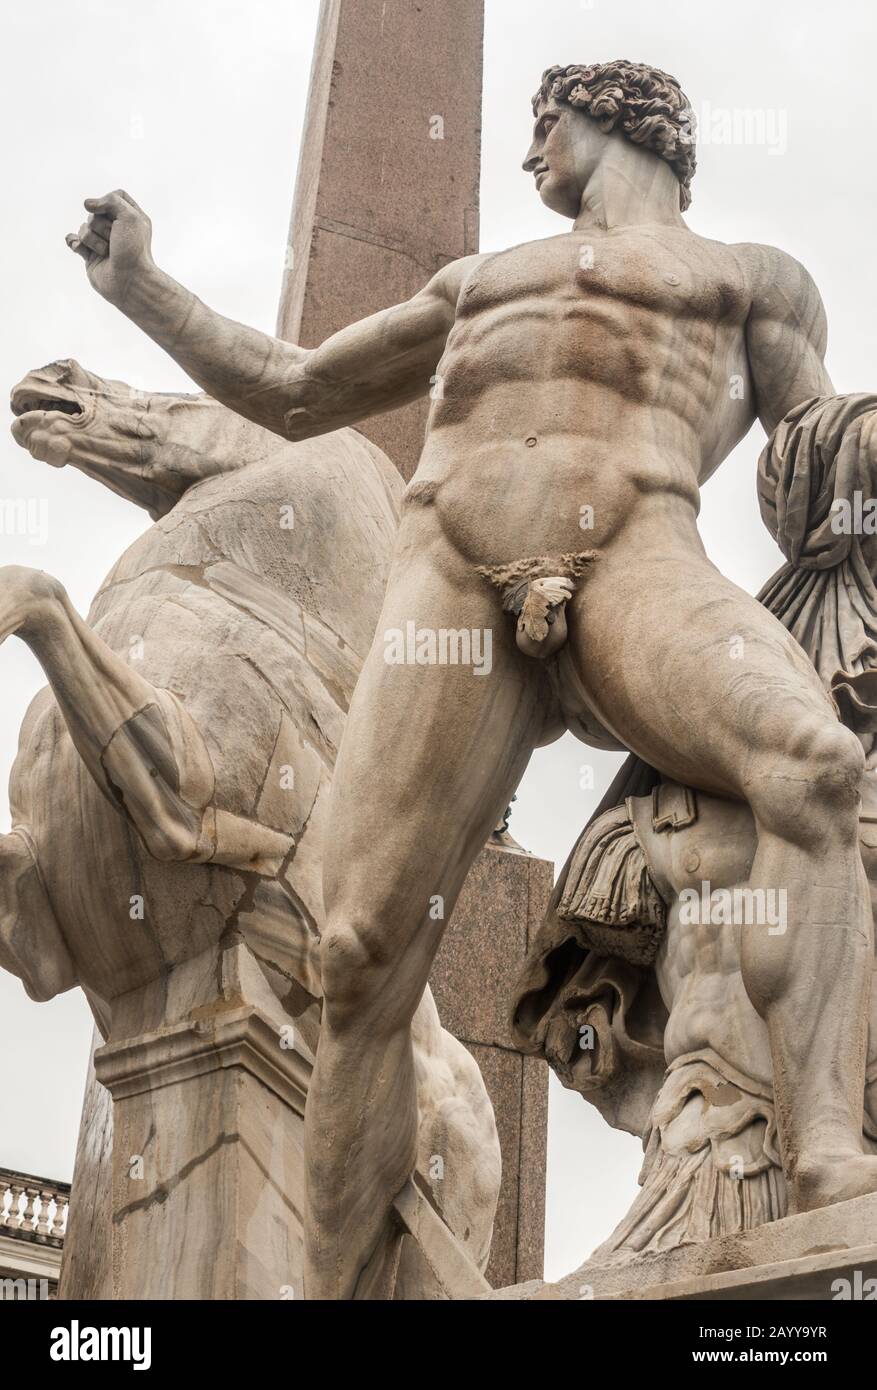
(13, 1217)
(27, 1220)
(58, 1223)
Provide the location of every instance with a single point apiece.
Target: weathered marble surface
(642, 946)
(86, 1267)
(371, 217)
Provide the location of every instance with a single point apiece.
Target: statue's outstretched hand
(115, 243)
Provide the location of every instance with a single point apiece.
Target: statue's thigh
(697, 677)
(433, 748)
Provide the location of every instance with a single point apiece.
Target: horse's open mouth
(24, 401)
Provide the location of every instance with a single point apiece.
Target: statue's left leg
(140, 745)
(701, 681)
(432, 751)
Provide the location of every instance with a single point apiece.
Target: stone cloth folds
(711, 1166)
(712, 1163)
(608, 895)
(820, 461)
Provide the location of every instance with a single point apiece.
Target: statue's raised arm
(382, 362)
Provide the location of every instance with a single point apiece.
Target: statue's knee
(833, 763)
(839, 759)
(33, 590)
(350, 972)
(810, 790)
(371, 983)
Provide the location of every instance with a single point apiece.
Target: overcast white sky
(196, 108)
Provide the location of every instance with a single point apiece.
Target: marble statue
(172, 783)
(550, 575)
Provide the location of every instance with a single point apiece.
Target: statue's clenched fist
(115, 244)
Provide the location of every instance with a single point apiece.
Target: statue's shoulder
(772, 275)
(451, 279)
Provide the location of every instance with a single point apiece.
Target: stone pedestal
(819, 1255)
(207, 1168)
(86, 1265)
(502, 903)
(213, 1104)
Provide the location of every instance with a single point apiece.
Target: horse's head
(149, 447)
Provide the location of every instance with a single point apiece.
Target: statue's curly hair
(646, 105)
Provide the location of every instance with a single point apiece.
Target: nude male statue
(593, 369)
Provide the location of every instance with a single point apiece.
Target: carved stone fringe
(687, 1198)
(711, 1166)
(609, 892)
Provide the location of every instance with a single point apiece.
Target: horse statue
(170, 789)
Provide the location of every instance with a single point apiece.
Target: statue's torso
(603, 368)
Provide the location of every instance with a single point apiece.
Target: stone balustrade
(33, 1208)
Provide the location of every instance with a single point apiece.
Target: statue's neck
(205, 426)
(630, 186)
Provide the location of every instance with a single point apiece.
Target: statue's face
(567, 147)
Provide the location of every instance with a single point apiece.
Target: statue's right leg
(431, 755)
(706, 685)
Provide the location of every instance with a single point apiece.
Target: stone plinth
(387, 187)
(502, 903)
(800, 1257)
(230, 1071)
(207, 1169)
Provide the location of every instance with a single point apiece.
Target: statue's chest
(676, 276)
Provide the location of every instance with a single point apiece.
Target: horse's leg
(31, 944)
(142, 748)
(458, 1153)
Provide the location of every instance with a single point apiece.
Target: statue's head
(581, 110)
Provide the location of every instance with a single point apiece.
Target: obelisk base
(473, 979)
